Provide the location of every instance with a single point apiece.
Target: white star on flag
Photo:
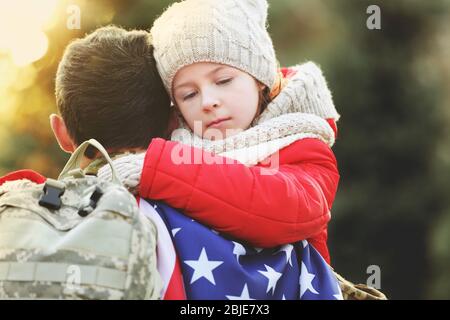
(306, 279)
(304, 243)
(238, 250)
(203, 267)
(174, 231)
(244, 295)
(288, 249)
(273, 277)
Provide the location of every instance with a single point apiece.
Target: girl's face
(216, 101)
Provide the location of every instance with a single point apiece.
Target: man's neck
(91, 166)
(86, 161)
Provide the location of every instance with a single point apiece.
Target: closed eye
(224, 81)
(189, 96)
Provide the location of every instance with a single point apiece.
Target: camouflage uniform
(58, 254)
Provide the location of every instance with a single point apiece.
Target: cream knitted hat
(231, 32)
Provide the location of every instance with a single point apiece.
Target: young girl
(218, 63)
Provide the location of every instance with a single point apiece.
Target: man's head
(108, 88)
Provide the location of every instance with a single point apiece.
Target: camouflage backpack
(75, 238)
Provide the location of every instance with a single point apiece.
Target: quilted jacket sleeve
(23, 174)
(265, 210)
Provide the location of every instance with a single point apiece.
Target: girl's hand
(128, 168)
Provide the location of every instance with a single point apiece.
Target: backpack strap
(59, 272)
(75, 160)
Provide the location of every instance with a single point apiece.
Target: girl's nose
(210, 101)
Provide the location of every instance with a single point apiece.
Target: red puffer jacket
(264, 210)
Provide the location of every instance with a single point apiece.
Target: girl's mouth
(217, 123)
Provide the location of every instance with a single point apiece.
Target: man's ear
(61, 134)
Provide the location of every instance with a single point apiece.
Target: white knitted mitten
(128, 168)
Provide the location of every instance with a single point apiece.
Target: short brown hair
(108, 88)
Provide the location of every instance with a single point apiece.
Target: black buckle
(95, 197)
(53, 190)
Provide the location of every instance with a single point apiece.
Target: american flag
(198, 263)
